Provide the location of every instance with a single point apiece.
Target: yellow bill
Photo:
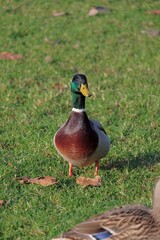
(84, 90)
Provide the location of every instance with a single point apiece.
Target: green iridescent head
(79, 90)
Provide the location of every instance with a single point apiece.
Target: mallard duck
(131, 222)
(81, 141)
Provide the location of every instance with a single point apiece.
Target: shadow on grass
(140, 161)
(131, 162)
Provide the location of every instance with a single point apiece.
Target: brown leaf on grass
(10, 56)
(48, 59)
(84, 181)
(43, 181)
(151, 32)
(59, 86)
(59, 14)
(2, 203)
(156, 12)
(99, 9)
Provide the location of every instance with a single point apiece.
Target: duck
(80, 140)
(130, 222)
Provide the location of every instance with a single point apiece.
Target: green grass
(122, 66)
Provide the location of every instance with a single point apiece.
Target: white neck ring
(78, 110)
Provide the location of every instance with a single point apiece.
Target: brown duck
(131, 222)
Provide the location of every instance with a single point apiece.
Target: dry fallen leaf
(151, 32)
(59, 14)
(43, 181)
(84, 181)
(59, 86)
(48, 59)
(10, 56)
(99, 9)
(2, 203)
(156, 12)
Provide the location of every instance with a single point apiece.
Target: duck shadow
(131, 162)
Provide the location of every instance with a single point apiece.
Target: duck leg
(70, 170)
(96, 167)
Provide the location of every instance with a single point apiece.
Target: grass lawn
(119, 53)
